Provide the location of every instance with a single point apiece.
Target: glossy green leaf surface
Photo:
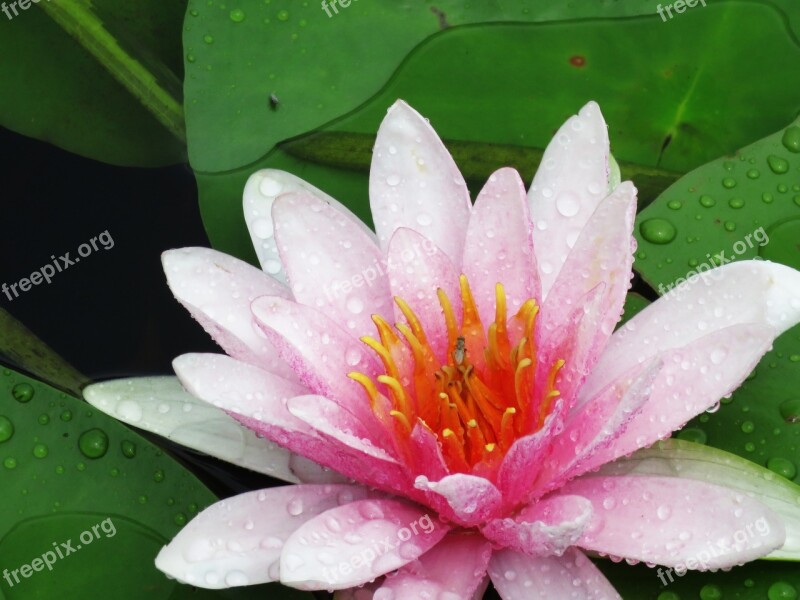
(55, 91)
(80, 483)
(509, 83)
(742, 206)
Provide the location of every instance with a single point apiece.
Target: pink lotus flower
(461, 367)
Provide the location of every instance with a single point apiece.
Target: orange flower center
(477, 403)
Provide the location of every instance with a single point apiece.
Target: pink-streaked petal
(745, 292)
(453, 570)
(352, 544)
(517, 576)
(318, 349)
(238, 541)
(595, 425)
(217, 290)
(465, 499)
(655, 520)
(241, 388)
(331, 263)
(260, 192)
(331, 421)
(259, 401)
(417, 269)
(499, 247)
(571, 181)
(692, 380)
(544, 528)
(426, 454)
(518, 470)
(603, 254)
(414, 183)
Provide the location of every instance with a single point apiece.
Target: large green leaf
(509, 83)
(742, 206)
(55, 90)
(66, 471)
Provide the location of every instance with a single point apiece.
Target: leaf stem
(146, 78)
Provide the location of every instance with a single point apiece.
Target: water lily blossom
(446, 388)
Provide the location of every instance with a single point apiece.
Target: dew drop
(295, 507)
(568, 204)
(791, 139)
(674, 204)
(782, 590)
(736, 203)
(790, 410)
(707, 201)
(424, 219)
(6, 429)
(355, 305)
(237, 15)
(93, 443)
(663, 512)
(128, 449)
(393, 180)
(710, 592)
(208, 39)
(657, 231)
(40, 451)
(283, 15)
(693, 434)
(778, 165)
(782, 467)
(753, 174)
(729, 183)
(158, 476)
(10, 462)
(22, 392)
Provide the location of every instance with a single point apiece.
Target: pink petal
(353, 544)
(499, 246)
(417, 269)
(544, 528)
(519, 577)
(331, 263)
(692, 380)
(426, 454)
(259, 400)
(240, 388)
(652, 519)
(571, 181)
(320, 351)
(217, 290)
(238, 541)
(260, 192)
(603, 254)
(453, 570)
(596, 425)
(414, 183)
(518, 470)
(744, 292)
(333, 422)
(465, 499)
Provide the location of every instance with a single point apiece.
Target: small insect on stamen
(461, 351)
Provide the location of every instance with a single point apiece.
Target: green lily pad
(55, 91)
(509, 83)
(87, 503)
(742, 206)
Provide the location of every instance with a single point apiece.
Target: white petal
(160, 405)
